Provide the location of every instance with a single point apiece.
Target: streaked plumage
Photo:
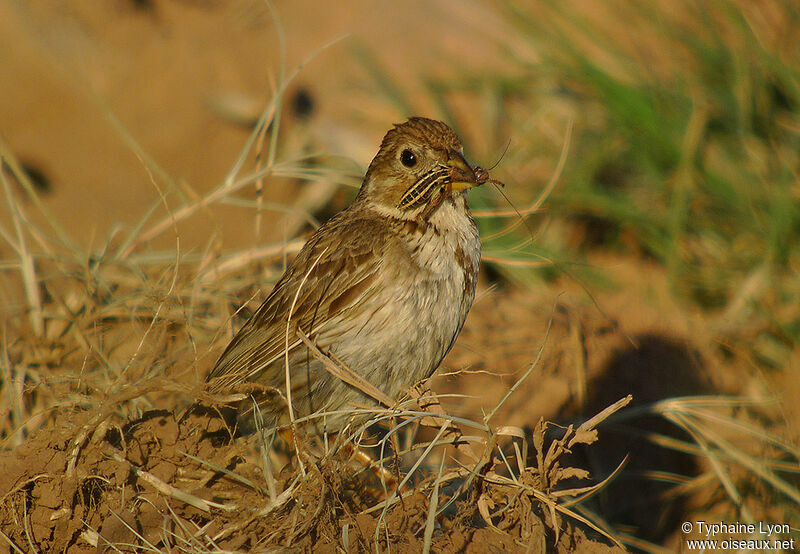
(386, 287)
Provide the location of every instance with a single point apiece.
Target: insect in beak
(424, 188)
(462, 175)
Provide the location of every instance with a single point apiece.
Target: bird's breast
(448, 247)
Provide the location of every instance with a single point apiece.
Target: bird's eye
(408, 159)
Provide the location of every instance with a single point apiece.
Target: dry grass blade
(288, 383)
(11, 543)
(241, 260)
(713, 458)
(715, 446)
(576, 516)
(693, 406)
(230, 474)
(7, 158)
(169, 490)
(525, 375)
(26, 259)
(584, 493)
(422, 458)
(478, 469)
(434, 503)
(341, 371)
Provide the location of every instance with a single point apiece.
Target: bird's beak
(462, 176)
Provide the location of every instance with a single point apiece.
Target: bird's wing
(326, 279)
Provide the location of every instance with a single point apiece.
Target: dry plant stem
(577, 340)
(259, 184)
(154, 319)
(431, 404)
(533, 366)
(550, 473)
(411, 472)
(590, 424)
(188, 538)
(517, 433)
(167, 489)
(424, 455)
(480, 468)
(286, 359)
(26, 261)
(712, 455)
(434, 503)
(693, 406)
(135, 532)
(425, 445)
(7, 157)
(27, 527)
(218, 469)
(11, 543)
(229, 186)
(312, 198)
(584, 434)
(341, 371)
(14, 394)
(279, 501)
(514, 263)
(583, 493)
(276, 124)
(266, 461)
(21, 485)
(246, 258)
(552, 504)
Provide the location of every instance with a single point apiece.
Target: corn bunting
(376, 297)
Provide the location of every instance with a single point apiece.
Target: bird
(380, 292)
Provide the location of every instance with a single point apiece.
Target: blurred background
(651, 156)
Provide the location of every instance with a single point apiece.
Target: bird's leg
(352, 452)
(380, 471)
(396, 448)
(287, 435)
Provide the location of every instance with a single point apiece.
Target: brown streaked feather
(340, 280)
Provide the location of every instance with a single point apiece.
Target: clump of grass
(747, 471)
(686, 147)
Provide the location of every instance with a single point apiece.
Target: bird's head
(420, 162)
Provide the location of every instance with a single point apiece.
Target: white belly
(422, 311)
